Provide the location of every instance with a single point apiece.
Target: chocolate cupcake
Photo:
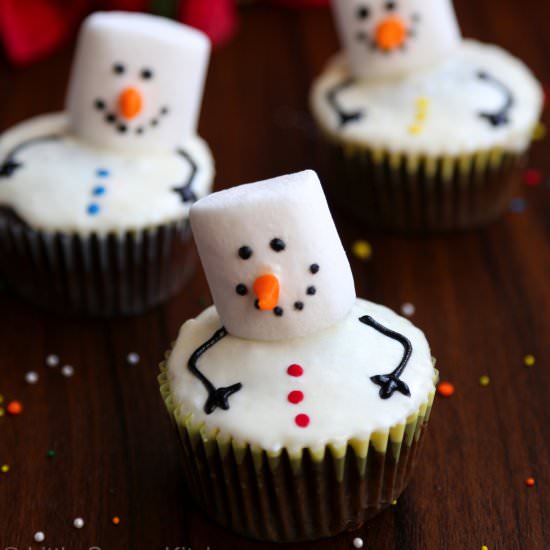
(300, 408)
(429, 131)
(94, 201)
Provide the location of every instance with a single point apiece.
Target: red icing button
(302, 420)
(296, 396)
(295, 370)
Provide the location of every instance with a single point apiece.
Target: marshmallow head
(137, 81)
(273, 258)
(387, 38)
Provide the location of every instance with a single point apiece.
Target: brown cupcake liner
(418, 193)
(283, 497)
(104, 276)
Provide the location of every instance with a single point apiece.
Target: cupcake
(429, 131)
(300, 408)
(94, 201)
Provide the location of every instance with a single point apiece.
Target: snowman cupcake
(429, 130)
(94, 201)
(300, 407)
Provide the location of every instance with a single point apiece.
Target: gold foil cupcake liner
(104, 276)
(421, 193)
(286, 496)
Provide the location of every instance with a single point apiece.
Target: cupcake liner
(283, 496)
(419, 193)
(105, 276)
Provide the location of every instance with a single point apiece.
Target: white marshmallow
(430, 33)
(293, 209)
(116, 52)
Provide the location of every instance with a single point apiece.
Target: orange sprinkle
(530, 481)
(445, 389)
(14, 407)
(115, 520)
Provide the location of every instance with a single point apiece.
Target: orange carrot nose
(130, 102)
(391, 33)
(267, 289)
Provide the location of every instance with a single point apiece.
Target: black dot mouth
(121, 126)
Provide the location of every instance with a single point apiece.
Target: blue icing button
(93, 209)
(99, 190)
(102, 173)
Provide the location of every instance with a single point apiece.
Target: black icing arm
(332, 98)
(10, 165)
(500, 117)
(217, 397)
(185, 191)
(390, 383)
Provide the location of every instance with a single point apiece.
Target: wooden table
(482, 297)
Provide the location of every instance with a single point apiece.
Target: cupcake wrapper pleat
(111, 275)
(285, 497)
(418, 193)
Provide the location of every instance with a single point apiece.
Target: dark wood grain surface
(482, 297)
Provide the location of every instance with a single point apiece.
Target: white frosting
(53, 188)
(339, 398)
(291, 208)
(176, 57)
(435, 111)
(429, 33)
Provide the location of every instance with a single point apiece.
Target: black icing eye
(146, 74)
(314, 268)
(390, 6)
(278, 311)
(241, 290)
(99, 104)
(363, 12)
(245, 252)
(277, 244)
(164, 111)
(311, 290)
(119, 68)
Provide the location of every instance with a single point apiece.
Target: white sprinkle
(67, 371)
(31, 377)
(52, 360)
(39, 536)
(78, 523)
(408, 309)
(132, 358)
(358, 542)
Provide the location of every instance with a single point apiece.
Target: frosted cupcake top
(125, 153)
(288, 357)
(478, 98)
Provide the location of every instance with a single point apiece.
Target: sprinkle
(445, 389)
(31, 377)
(362, 250)
(14, 407)
(484, 380)
(358, 542)
(529, 360)
(530, 481)
(102, 173)
(78, 523)
(115, 520)
(2, 411)
(132, 358)
(50, 453)
(67, 371)
(52, 360)
(517, 205)
(539, 131)
(408, 309)
(484, 547)
(394, 502)
(39, 536)
(302, 420)
(532, 177)
(93, 209)
(5, 468)
(99, 190)
(1, 398)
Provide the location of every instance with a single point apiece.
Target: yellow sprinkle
(5, 468)
(1, 398)
(484, 380)
(539, 131)
(361, 250)
(529, 360)
(2, 411)
(484, 547)
(415, 129)
(394, 502)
